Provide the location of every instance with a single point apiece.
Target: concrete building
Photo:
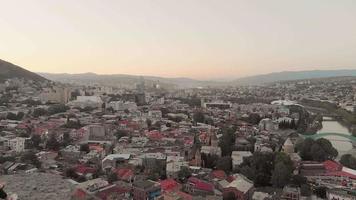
(121, 106)
(55, 95)
(146, 190)
(174, 165)
(237, 158)
(241, 187)
(87, 101)
(17, 144)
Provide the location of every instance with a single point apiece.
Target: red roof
(184, 195)
(124, 174)
(332, 166)
(220, 174)
(230, 179)
(201, 185)
(116, 190)
(82, 169)
(154, 135)
(169, 185)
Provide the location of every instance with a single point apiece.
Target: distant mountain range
(188, 82)
(9, 70)
(294, 75)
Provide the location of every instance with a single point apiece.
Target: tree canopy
(348, 161)
(318, 150)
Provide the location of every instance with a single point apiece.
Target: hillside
(122, 79)
(9, 70)
(293, 75)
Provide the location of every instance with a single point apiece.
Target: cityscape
(178, 100)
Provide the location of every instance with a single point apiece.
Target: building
(237, 158)
(55, 95)
(121, 106)
(211, 150)
(174, 164)
(291, 193)
(146, 190)
(17, 144)
(87, 101)
(340, 194)
(111, 161)
(288, 146)
(241, 188)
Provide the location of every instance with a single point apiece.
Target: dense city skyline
(196, 39)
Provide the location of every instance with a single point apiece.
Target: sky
(202, 39)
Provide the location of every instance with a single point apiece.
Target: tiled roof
(201, 185)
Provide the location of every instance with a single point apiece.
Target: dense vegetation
(316, 150)
(348, 161)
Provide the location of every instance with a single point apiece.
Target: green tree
(319, 150)
(305, 190)
(348, 161)
(36, 140)
(227, 141)
(282, 157)
(30, 157)
(112, 177)
(281, 175)
(184, 173)
(298, 180)
(224, 163)
(120, 133)
(53, 143)
(58, 108)
(84, 148)
(66, 139)
(39, 112)
(199, 117)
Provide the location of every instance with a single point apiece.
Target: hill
(128, 80)
(9, 70)
(293, 75)
(131, 80)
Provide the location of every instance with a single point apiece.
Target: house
(291, 193)
(70, 153)
(99, 189)
(85, 171)
(260, 196)
(170, 185)
(111, 161)
(146, 190)
(288, 146)
(125, 174)
(267, 125)
(153, 160)
(174, 164)
(211, 150)
(218, 174)
(17, 144)
(113, 192)
(237, 158)
(197, 186)
(241, 188)
(340, 194)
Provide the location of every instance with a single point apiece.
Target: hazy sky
(203, 39)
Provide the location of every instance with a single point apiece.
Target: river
(343, 145)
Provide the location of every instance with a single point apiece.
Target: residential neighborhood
(243, 143)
